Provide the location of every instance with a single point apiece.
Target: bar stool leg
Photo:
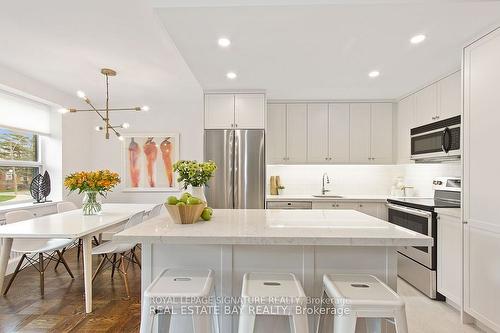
(400, 321)
(247, 320)
(300, 323)
(164, 322)
(202, 323)
(373, 325)
(344, 324)
(321, 306)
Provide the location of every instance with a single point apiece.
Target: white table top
(72, 224)
(277, 227)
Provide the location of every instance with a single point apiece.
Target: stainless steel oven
(419, 221)
(437, 141)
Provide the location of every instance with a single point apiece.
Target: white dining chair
(35, 252)
(155, 211)
(110, 250)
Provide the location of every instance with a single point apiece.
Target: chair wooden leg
(15, 274)
(123, 270)
(99, 267)
(42, 273)
(96, 241)
(114, 266)
(79, 249)
(61, 259)
(136, 259)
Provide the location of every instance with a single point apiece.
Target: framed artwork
(148, 161)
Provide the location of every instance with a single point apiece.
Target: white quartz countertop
(277, 227)
(347, 197)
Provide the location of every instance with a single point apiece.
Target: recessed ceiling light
(224, 42)
(374, 74)
(231, 75)
(418, 39)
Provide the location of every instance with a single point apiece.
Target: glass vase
(91, 203)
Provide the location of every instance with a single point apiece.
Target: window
(19, 164)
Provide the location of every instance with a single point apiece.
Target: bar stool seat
(362, 296)
(275, 294)
(176, 288)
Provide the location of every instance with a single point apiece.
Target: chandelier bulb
(125, 125)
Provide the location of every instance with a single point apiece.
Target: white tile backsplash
(359, 179)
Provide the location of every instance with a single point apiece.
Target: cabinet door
(360, 127)
(249, 110)
(426, 105)
(276, 133)
(368, 208)
(405, 119)
(381, 133)
(450, 99)
(296, 133)
(480, 188)
(333, 205)
(219, 111)
(449, 257)
(317, 133)
(339, 132)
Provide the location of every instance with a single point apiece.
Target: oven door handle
(418, 212)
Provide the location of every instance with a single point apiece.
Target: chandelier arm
(137, 108)
(93, 109)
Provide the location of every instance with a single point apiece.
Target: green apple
(207, 213)
(194, 201)
(172, 200)
(184, 197)
(180, 203)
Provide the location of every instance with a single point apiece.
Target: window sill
(25, 205)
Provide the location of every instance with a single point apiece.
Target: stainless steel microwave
(436, 142)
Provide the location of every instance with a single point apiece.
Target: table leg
(87, 271)
(4, 259)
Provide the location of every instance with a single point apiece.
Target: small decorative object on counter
(40, 187)
(275, 184)
(195, 174)
(93, 184)
(188, 209)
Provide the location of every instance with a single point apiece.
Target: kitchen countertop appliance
(436, 142)
(239, 181)
(418, 265)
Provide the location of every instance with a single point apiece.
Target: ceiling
(324, 51)
(65, 43)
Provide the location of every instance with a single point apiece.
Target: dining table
(73, 225)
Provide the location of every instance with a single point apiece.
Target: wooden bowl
(187, 214)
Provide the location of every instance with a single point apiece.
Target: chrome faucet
(323, 190)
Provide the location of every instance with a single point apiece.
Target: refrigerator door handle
(236, 169)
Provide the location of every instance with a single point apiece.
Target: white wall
(360, 179)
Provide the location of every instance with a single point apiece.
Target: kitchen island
(308, 243)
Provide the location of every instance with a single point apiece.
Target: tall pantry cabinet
(481, 215)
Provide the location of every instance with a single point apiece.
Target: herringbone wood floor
(63, 309)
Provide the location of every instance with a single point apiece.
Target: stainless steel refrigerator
(239, 181)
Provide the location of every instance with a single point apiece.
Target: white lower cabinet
(375, 209)
(449, 257)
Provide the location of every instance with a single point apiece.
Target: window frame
(28, 164)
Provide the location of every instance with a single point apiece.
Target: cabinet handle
(232, 125)
(360, 206)
(235, 125)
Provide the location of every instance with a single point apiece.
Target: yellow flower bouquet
(92, 183)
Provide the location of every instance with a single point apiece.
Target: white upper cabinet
(317, 133)
(426, 105)
(449, 93)
(405, 121)
(219, 111)
(381, 133)
(226, 111)
(249, 110)
(276, 133)
(296, 133)
(360, 132)
(339, 132)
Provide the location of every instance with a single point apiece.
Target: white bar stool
(174, 289)
(362, 296)
(272, 294)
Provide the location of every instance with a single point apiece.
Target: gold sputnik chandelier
(104, 113)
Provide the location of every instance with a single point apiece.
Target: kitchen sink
(327, 196)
